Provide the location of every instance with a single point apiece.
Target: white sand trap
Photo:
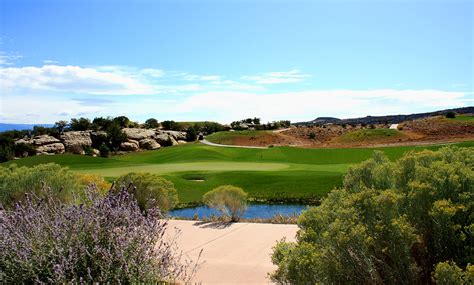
(394, 126)
(235, 254)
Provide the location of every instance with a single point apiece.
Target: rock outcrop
(149, 144)
(76, 140)
(44, 139)
(139, 134)
(52, 148)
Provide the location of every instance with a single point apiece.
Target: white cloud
(71, 79)
(50, 61)
(306, 105)
(279, 77)
(226, 106)
(8, 59)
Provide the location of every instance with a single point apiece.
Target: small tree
(450, 115)
(231, 201)
(122, 121)
(152, 123)
(81, 124)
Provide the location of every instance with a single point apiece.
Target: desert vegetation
(402, 222)
(231, 201)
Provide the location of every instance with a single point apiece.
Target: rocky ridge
(77, 141)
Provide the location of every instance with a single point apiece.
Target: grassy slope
(280, 172)
(464, 118)
(230, 137)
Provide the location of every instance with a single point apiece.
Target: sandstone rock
(139, 134)
(76, 140)
(163, 139)
(24, 140)
(50, 148)
(182, 142)
(129, 146)
(134, 142)
(175, 134)
(173, 141)
(149, 144)
(45, 139)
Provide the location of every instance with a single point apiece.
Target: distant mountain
(21, 127)
(389, 119)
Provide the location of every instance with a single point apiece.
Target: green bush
(150, 190)
(393, 222)
(231, 201)
(16, 181)
(104, 150)
(448, 273)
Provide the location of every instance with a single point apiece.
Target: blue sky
(225, 60)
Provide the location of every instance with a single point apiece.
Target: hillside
(388, 119)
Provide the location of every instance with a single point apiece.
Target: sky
(228, 60)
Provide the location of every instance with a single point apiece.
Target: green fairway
(464, 118)
(279, 173)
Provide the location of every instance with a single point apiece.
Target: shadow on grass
(212, 224)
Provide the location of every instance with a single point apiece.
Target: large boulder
(139, 134)
(149, 144)
(45, 139)
(129, 146)
(166, 140)
(76, 140)
(50, 148)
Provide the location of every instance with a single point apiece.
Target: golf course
(284, 174)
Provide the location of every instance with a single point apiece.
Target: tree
(81, 124)
(450, 115)
(152, 123)
(122, 121)
(101, 123)
(393, 222)
(116, 136)
(60, 126)
(191, 134)
(169, 125)
(150, 190)
(231, 201)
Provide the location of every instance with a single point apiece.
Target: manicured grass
(231, 137)
(277, 173)
(368, 135)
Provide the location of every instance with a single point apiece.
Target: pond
(254, 211)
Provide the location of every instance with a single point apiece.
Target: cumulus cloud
(279, 77)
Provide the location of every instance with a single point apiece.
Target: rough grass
(279, 173)
(370, 135)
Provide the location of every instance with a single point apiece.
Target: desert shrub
(94, 181)
(104, 150)
(116, 136)
(450, 115)
(107, 240)
(231, 201)
(312, 135)
(16, 181)
(448, 273)
(393, 222)
(151, 190)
